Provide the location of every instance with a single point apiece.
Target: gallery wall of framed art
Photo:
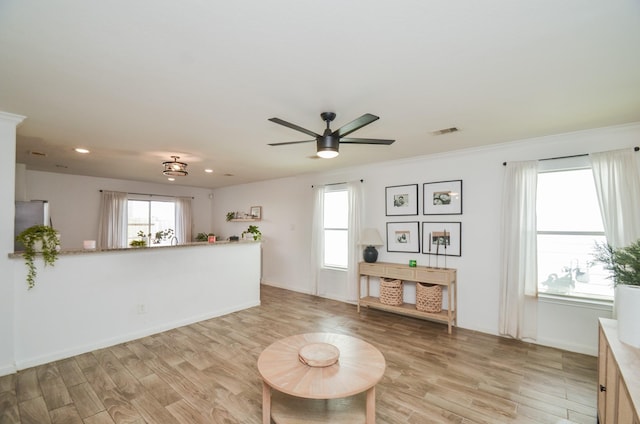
(429, 237)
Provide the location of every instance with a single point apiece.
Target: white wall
(98, 299)
(287, 211)
(74, 202)
(8, 123)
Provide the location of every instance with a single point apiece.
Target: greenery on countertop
(253, 229)
(142, 242)
(204, 236)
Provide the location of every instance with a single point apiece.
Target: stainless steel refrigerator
(28, 214)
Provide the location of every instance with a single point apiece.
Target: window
(152, 218)
(569, 225)
(335, 228)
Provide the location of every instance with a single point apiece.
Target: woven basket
(428, 297)
(390, 292)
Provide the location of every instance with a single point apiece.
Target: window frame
(326, 190)
(149, 199)
(566, 165)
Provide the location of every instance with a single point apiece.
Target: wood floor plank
(100, 418)
(160, 389)
(71, 372)
(27, 386)
(65, 415)
(9, 413)
(85, 399)
(34, 411)
(206, 372)
(53, 387)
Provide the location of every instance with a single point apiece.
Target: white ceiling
(138, 81)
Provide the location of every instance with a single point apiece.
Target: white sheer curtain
(617, 180)
(183, 219)
(354, 189)
(519, 279)
(112, 221)
(316, 236)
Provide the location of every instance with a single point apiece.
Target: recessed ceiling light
(208, 171)
(171, 179)
(81, 150)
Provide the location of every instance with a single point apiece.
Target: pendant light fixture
(175, 168)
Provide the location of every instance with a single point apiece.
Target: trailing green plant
(29, 238)
(624, 263)
(230, 216)
(253, 229)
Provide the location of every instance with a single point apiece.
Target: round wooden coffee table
(284, 366)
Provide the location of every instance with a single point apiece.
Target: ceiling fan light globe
(327, 154)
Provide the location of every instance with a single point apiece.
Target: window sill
(333, 268)
(581, 302)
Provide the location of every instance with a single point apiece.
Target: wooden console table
(445, 277)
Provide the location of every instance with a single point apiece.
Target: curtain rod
(332, 184)
(148, 194)
(635, 149)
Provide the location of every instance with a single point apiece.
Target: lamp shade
(370, 237)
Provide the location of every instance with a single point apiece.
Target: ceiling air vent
(445, 131)
(37, 154)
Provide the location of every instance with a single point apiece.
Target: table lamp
(370, 237)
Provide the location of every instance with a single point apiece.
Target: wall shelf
(244, 220)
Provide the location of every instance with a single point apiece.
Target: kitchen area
(94, 298)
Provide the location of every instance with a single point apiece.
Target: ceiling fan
(329, 142)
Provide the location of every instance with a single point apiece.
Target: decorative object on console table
(428, 297)
(402, 200)
(624, 264)
(370, 237)
(403, 237)
(442, 198)
(442, 238)
(391, 292)
(39, 239)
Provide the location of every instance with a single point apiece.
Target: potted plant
(624, 264)
(253, 229)
(142, 242)
(231, 215)
(162, 235)
(39, 239)
(204, 236)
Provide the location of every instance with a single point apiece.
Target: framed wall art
(403, 237)
(442, 238)
(402, 200)
(442, 198)
(256, 212)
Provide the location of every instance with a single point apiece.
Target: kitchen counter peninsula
(97, 298)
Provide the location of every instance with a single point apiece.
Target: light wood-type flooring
(206, 372)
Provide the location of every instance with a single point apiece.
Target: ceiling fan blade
(294, 127)
(366, 141)
(290, 142)
(356, 124)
